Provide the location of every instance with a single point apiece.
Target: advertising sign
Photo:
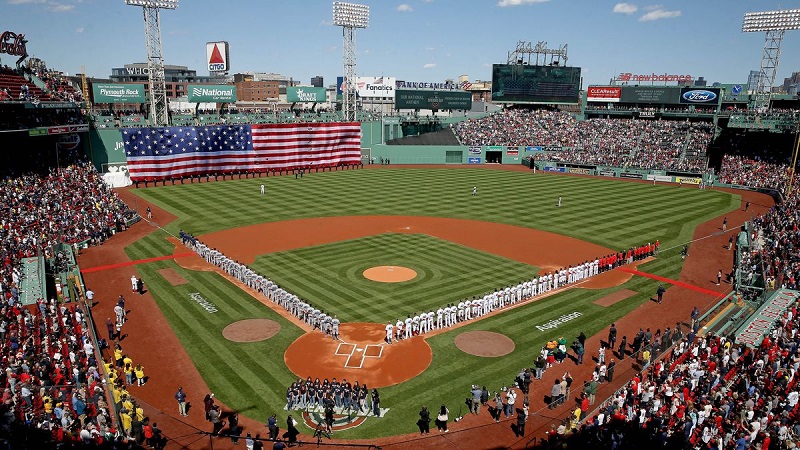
(13, 43)
(554, 169)
(339, 85)
(634, 176)
(512, 152)
(652, 77)
(534, 148)
(608, 94)
(438, 100)
(305, 94)
(645, 94)
(580, 170)
(700, 96)
(211, 93)
(474, 160)
(661, 178)
(520, 83)
(375, 86)
(607, 173)
(217, 56)
(762, 322)
(688, 180)
(118, 93)
(399, 84)
(475, 150)
(552, 148)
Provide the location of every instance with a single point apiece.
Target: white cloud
(59, 7)
(79, 30)
(429, 66)
(625, 8)
(657, 13)
(405, 7)
(504, 3)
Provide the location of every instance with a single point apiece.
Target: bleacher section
(13, 83)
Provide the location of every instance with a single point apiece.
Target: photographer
(475, 402)
(424, 422)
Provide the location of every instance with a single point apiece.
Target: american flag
(465, 85)
(159, 153)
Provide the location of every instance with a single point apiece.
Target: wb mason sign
(211, 93)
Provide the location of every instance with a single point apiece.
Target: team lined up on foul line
(425, 322)
(467, 309)
(288, 301)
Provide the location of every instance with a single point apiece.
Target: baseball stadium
(522, 262)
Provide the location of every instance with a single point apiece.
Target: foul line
(674, 282)
(132, 263)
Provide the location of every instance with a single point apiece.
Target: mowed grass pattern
(607, 212)
(330, 276)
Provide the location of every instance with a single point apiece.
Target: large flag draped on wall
(172, 152)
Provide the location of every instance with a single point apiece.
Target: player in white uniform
(429, 319)
(407, 327)
(389, 332)
(262, 189)
(439, 318)
(398, 328)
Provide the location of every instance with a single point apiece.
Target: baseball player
(474, 191)
(408, 326)
(398, 328)
(439, 318)
(416, 325)
(453, 317)
(389, 332)
(134, 283)
(262, 189)
(429, 318)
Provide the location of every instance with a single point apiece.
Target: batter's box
(345, 349)
(373, 351)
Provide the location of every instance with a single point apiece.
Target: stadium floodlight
(349, 16)
(774, 24)
(159, 112)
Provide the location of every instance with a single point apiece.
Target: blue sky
(413, 40)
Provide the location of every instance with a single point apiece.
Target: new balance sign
(211, 93)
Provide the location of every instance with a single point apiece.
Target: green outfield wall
(106, 148)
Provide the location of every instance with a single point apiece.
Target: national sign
(163, 153)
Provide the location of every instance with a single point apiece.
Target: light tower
(775, 24)
(349, 16)
(159, 114)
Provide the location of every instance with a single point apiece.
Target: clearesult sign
(118, 93)
(295, 94)
(13, 44)
(608, 94)
(211, 93)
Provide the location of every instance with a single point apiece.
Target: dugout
(494, 157)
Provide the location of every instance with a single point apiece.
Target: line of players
(467, 309)
(421, 323)
(304, 311)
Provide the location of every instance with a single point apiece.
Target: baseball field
(302, 234)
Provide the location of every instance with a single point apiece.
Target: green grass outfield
(253, 377)
(331, 275)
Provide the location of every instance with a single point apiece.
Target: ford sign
(699, 96)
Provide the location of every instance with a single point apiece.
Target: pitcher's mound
(251, 330)
(484, 343)
(390, 274)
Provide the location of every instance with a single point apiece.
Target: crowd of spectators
(70, 205)
(634, 143)
(707, 393)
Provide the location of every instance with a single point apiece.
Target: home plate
(359, 350)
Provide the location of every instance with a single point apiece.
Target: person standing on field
(262, 189)
(474, 191)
